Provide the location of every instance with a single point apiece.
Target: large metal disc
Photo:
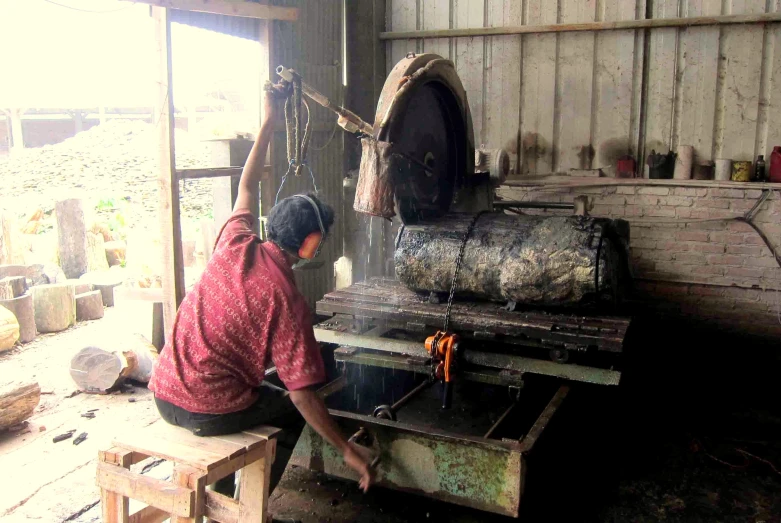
(423, 113)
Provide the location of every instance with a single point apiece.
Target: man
(246, 315)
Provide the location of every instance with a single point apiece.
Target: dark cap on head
(293, 219)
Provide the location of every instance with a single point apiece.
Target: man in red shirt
(245, 316)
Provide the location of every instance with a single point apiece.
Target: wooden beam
(221, 508)
(229, 8)
(214, 172)
(653, 23)
(177, 501)
(149, 515)
(170, 225)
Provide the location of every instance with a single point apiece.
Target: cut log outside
(9, 329)
(105, 282)
(42, 274)
(116, 251)
(18, 285)
(23, 309)
(89, 306)
(17, 402)
(72, 236)
(6, 291)
(13, 270)
(55, 306)
(96, 253)
(98, 370)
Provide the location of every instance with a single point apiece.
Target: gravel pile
(113, 162)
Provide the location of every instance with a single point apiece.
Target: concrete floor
(669, 445)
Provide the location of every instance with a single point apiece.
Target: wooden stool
(197, 462)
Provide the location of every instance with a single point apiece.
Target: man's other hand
(359, 458)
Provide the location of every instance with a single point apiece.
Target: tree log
(89, 306)
(13, 270)
(98, 370)
(105, 282)
(72, 237)
(9, 329)
(55, 306)
(6, 291)
(18, 285)
(17, 402)
(533, 260)
(23, 309)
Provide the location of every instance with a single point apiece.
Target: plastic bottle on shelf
(759, 169)
(775, 165)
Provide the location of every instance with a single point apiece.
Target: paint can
(625, 167)
(723, 170)
(703, 171)
(741, 171)
(683, 162)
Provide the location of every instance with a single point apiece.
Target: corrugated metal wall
(580, 100)
(313, 47)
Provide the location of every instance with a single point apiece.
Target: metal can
(741, 171)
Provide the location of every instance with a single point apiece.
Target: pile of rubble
(112, 161)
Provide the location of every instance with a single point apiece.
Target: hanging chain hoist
(443, 346)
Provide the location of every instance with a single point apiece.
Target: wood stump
(6, 291)
(105, 282)
(23, 309)
(72, 236)
(18, 285)
(97, 370)
(80, 286)
(13, 270)
(17, 402)
(9, 329)
(55, 306)
(96, 253)
(89, 306)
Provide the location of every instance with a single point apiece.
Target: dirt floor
(692, 434)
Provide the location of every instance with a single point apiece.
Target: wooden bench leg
(115, 507)
(254, 485)
(195, 480)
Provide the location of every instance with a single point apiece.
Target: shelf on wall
(574, 181)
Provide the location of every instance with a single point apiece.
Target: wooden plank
(661, 76)
(403, 17)
(736, 129)
(574, 88)
(149, 515)
(170, 226)
(503, 78)
(196, 481)
(436, 15)
(248, 441)
(263, 431)
(254, 486)
(114, 507)
(120, 456)
(213, 172)
(469, 59)
(180, 436)
(171, 451)
(656, 23)
(161, 494)
(538, 91)
(553, 182)
(614, 82)
(698, 62)
(241, 8)
(221, 508)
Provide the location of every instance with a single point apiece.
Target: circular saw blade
(424, 114)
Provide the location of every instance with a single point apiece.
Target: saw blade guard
(418, 161)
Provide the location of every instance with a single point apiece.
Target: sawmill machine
(452, 367)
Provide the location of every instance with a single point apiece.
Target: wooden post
(265, 37)
(253, 486)
(170, 227)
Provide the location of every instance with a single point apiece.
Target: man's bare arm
(314, 411)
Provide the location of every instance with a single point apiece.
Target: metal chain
(459, 259)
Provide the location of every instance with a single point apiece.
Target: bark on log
(13, 270)
(17, 402)
(105, 282)
(6, 291)
(89, 306)
(72, 237)
(98, 370)
(532, 260)
(18, 285)
(23, 309)
(55, 306)
(79, 286)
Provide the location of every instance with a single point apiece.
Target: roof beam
(230, 8)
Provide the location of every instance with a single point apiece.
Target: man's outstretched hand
(273, 101)
(359, 458)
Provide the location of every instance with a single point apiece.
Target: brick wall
(713, 271)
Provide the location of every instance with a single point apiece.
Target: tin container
(741, 171)
(703, 171)
(723, 169)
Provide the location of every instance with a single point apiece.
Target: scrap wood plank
(230, 8)
(149, 515)
(178, 435)
(172, 451)
(162, 494)
(221, 508)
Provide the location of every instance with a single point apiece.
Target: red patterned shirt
(244, 313)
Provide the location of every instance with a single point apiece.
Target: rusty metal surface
(382, 299)
(533, 260)
(374, 193)
(539, 426)
(483, 474)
